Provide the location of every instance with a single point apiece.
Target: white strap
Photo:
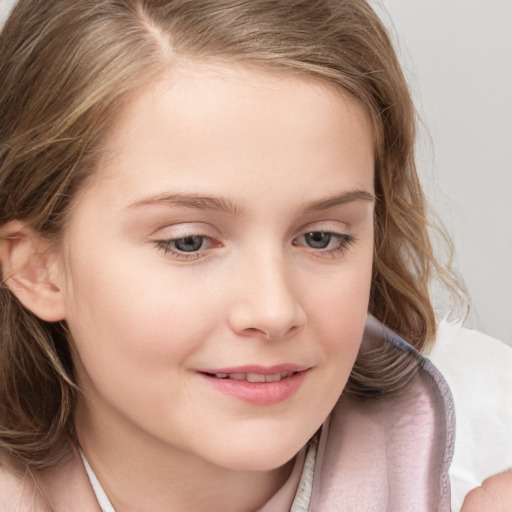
(102, 498)
(305, 489)
(300, 503)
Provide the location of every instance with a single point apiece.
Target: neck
(138, 473)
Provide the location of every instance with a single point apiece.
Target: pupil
(318, 239)
(189, 243)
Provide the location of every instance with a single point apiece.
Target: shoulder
(63, 489)
(478, 369)
(18, 492)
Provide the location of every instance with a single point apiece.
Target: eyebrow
(339, 200)
(192, 201)
(232, 208)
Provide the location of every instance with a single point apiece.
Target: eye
(186, 247)
(318, 239)
(188, 243)
(325, 243)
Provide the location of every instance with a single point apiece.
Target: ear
(31, 271)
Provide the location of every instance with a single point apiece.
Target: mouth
(257, 385)
(252, 377)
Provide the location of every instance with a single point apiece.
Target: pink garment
(390, 454)
(386, 454)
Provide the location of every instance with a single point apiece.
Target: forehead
(201, 89)
(233, 121)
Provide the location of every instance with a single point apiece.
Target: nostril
(253, 331)
(293, 330)
(269, 335)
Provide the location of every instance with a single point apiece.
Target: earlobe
(29, 271)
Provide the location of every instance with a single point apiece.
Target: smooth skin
(494, 495)
(230, 224)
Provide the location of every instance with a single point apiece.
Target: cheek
(341, 301)
(132, 344)
(340, 313)
(136, 318)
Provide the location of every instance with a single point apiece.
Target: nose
(266, 303)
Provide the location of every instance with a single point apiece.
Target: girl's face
(217, 267)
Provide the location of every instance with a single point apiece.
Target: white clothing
(478, 370)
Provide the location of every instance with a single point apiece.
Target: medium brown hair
(66, 67)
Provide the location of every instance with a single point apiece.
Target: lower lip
(258, 393)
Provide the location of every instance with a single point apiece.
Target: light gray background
(457, 55)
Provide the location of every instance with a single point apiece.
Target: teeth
(254, 377)
(238, 376)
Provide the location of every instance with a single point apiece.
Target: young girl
(200, 203)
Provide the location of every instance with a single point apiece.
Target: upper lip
(260, 370)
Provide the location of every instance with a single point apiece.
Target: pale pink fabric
(390, 454)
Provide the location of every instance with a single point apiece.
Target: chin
(265, 454)
(265, 461)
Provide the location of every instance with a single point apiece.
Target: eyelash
(344, 241)
(167, 247)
